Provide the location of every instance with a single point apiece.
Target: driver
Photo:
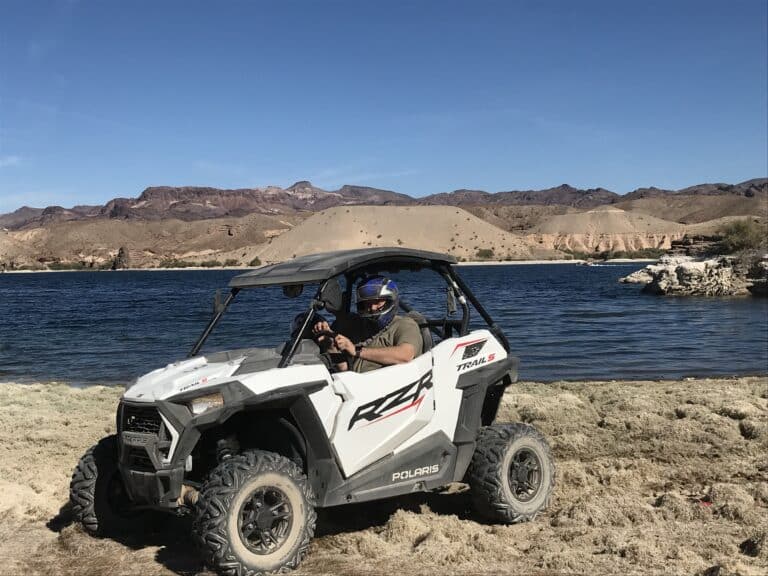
(376, 336)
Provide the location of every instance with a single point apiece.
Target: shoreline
(248, 268)
(595, 382)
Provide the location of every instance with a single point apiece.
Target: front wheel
(254, 515)
(97, 494)
(512, 473)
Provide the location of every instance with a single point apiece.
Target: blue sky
(102, 99)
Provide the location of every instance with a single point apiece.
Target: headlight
(204, 403)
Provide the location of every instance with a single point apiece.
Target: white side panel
(449, 364)
(382, 409)
(327, 405)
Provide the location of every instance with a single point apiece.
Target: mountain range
(190, 203)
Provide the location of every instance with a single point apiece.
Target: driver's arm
(385, 356)
(390, 355)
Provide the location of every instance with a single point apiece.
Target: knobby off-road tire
(512, 473)
(96, 492)
(254, 515)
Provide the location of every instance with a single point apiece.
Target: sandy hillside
(605, 228)
(439, 228)
(147, 241)
(518, 218)
(653, 478)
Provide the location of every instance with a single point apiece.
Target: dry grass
(653, 478)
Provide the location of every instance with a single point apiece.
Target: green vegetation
(484, 254)
(255, 262)
(645, 253)
(742, 235)
(211, 264)
(175, 263)
(67, 266)
(231, 262)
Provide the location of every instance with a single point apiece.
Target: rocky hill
(748, 189)
(563, 195)
(189, 203)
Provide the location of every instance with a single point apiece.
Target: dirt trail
(653, 478)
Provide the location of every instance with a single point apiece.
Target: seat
(426, 335)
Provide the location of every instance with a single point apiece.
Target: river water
(564, 322)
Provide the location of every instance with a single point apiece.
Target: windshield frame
(461, 291)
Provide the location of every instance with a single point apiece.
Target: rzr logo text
(408, 396)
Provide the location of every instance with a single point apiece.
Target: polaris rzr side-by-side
(252, 441)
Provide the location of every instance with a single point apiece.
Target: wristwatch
(358, 349)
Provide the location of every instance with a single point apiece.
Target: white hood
(178, 377)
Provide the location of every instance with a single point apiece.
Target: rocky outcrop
(758, 275)
(122, 260)
(647, 274)
(696, 245)
(684, 276)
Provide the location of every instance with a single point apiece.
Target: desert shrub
(175, 263)
(484, 253)
(255, 262)
(610, 254)
(66, 266)
(210, 264)
(643, 253)
(742, 235)
(231, 262)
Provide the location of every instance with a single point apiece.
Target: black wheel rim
(525, 474)
(265, 520)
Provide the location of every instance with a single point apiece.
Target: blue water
(563, 321)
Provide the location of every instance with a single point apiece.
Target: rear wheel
(254, 515)
(512, 473)
(97, 494)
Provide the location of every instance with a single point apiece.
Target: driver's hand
(344, 344)
(322, 326)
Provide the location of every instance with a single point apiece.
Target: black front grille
(141, 419)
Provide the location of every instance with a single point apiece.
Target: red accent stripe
(462, 344)
(403, 409)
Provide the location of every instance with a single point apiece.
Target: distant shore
(247, 268)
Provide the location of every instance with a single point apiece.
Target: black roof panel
(318, 267)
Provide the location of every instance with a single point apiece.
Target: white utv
(252, 441)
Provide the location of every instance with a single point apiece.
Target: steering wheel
(326, 356)
(329, 333)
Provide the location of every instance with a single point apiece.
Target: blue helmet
(377, 288)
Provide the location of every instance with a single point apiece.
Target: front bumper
(147, 440)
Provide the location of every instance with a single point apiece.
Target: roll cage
(324, 269)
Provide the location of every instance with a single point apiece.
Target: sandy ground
(653, 478)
